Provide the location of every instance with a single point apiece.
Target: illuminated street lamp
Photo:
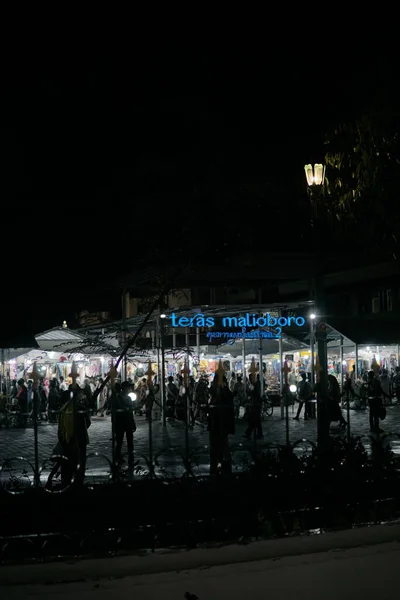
(313, 316)
(315, 176)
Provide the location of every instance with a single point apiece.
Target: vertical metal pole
(159, 368)
(36, 401)
(281, 378)
(312, 369)
(320, 331)
(151, 439)
(101, 367)
(322, 423)
(187, 398)
(341, 388)
(124, 362)
(7, 374)
(287, 415)
(341, 364)
(398, 355)
(111, 396)
(198, 346)
(260, 358)
(356, 362)
(157, 341)
(244, 365)
(173, 339)
(2, 371)
(163, 390)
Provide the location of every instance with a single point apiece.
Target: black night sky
(106, 161)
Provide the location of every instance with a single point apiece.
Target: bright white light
(313, 316)
(315, 175)
(269, 362)
(163, 316)
(293, 388)
(344, 363)
(132, 396)
(368, 349)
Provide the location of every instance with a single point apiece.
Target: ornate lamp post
(315, 177)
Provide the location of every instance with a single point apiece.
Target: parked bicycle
(267, 408)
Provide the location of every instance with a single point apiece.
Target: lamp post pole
(315, 176)
(162, 382)
(312, 362)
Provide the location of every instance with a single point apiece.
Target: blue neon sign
(248, 320)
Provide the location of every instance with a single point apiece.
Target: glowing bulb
(132, 396)
(313, 316)
(293, 388)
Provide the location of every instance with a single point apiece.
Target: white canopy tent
(59, 339)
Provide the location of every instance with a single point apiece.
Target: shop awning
(369, 331)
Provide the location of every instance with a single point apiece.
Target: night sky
(108, 161)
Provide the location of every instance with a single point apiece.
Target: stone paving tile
(169, 441)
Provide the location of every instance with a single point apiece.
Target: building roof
(59, 334)
(59, 339)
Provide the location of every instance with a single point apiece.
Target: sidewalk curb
(181, 560)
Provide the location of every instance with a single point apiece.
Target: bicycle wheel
(269, 409)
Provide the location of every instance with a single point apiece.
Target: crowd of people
(217, 404)
(373, 389)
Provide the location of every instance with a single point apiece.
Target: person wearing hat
(124, 423)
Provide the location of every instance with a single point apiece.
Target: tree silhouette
(363, 156)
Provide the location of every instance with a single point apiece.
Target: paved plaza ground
(169, 442)
(358, 562)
